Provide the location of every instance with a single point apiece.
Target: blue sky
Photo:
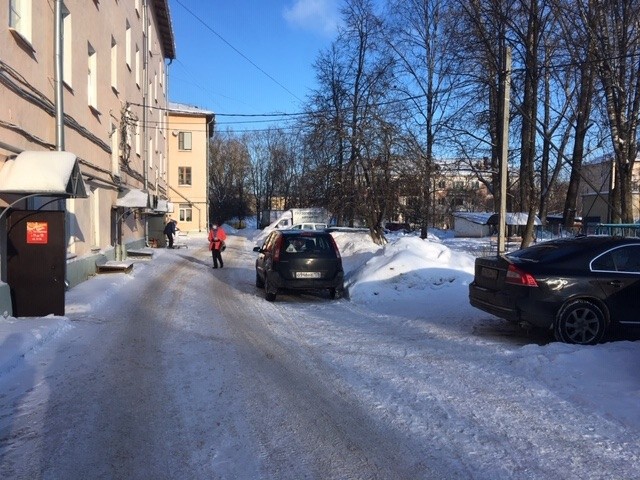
(249, 57)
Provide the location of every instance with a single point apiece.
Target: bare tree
(616, 28)
(416, 34)
(482, 37)
(355, 76)
(228, 167)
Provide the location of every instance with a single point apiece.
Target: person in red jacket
(217, 236)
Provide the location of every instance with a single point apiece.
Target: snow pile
(409, 274)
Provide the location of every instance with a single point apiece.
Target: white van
(309, 226)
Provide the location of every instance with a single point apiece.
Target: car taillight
(277, 247)
(516, 276)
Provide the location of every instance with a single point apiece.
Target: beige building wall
(190, 130)
(119, 143)
(595, 188)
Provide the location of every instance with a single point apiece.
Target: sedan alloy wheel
(580, 322)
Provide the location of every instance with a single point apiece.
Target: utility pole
(504, 156)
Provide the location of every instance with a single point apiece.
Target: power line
(238, 51)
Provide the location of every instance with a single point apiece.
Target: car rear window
(306, 244)
(546, 251)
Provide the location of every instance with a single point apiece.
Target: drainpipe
(145, 100)
(59, 101)
(210, 126)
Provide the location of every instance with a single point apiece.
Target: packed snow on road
(177, 370)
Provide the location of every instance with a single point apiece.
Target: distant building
(455, 187)
(595, 188)
(188, 173)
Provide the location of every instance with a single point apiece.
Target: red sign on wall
(37, 232)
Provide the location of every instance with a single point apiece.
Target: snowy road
(187, 372)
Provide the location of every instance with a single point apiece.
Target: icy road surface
(186, 372)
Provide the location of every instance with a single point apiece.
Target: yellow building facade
(188, 174)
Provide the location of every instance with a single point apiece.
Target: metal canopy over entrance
(133, 198)
(162, 207)
(43, 173)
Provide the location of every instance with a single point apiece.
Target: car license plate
(489, 273)
(307, 274)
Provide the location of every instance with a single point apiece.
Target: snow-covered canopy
(48, 173)
(133, 198)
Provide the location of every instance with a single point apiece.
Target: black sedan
(576, 286)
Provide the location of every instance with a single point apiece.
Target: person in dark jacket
(170, 231)
(217, 236)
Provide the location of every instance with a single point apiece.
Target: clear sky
(249, 57)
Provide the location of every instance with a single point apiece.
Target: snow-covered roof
(480, 218)
(490, 218)
(188, 109)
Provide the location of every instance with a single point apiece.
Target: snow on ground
(408, 278)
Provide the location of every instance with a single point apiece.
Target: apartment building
(454, 187)
(88, 78)
(595, 188)
(188, 175)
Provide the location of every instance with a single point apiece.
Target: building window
(186, 214)
(150, 153)
(184, 141)
(115, 149)
(138, 136)
(127, 46)
(184, 176)
(137, 66)
(20, 18)
(114, 64)
(150, 39)
(92, 78)
(67, 50)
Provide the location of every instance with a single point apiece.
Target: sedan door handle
(615, 283)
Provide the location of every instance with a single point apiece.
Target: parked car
(299, 260)
(309, 226)
(397, 227)
(576, 286)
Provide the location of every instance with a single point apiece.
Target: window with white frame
(127, 46)
(20, 18)
(92, 77)
(150, 92)
(67, 50)
(150, 39)
(186, 213)
(184, 176)
(138, 139)
(137, 66)
(115, 149)
(114, 64)
(184, 141)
